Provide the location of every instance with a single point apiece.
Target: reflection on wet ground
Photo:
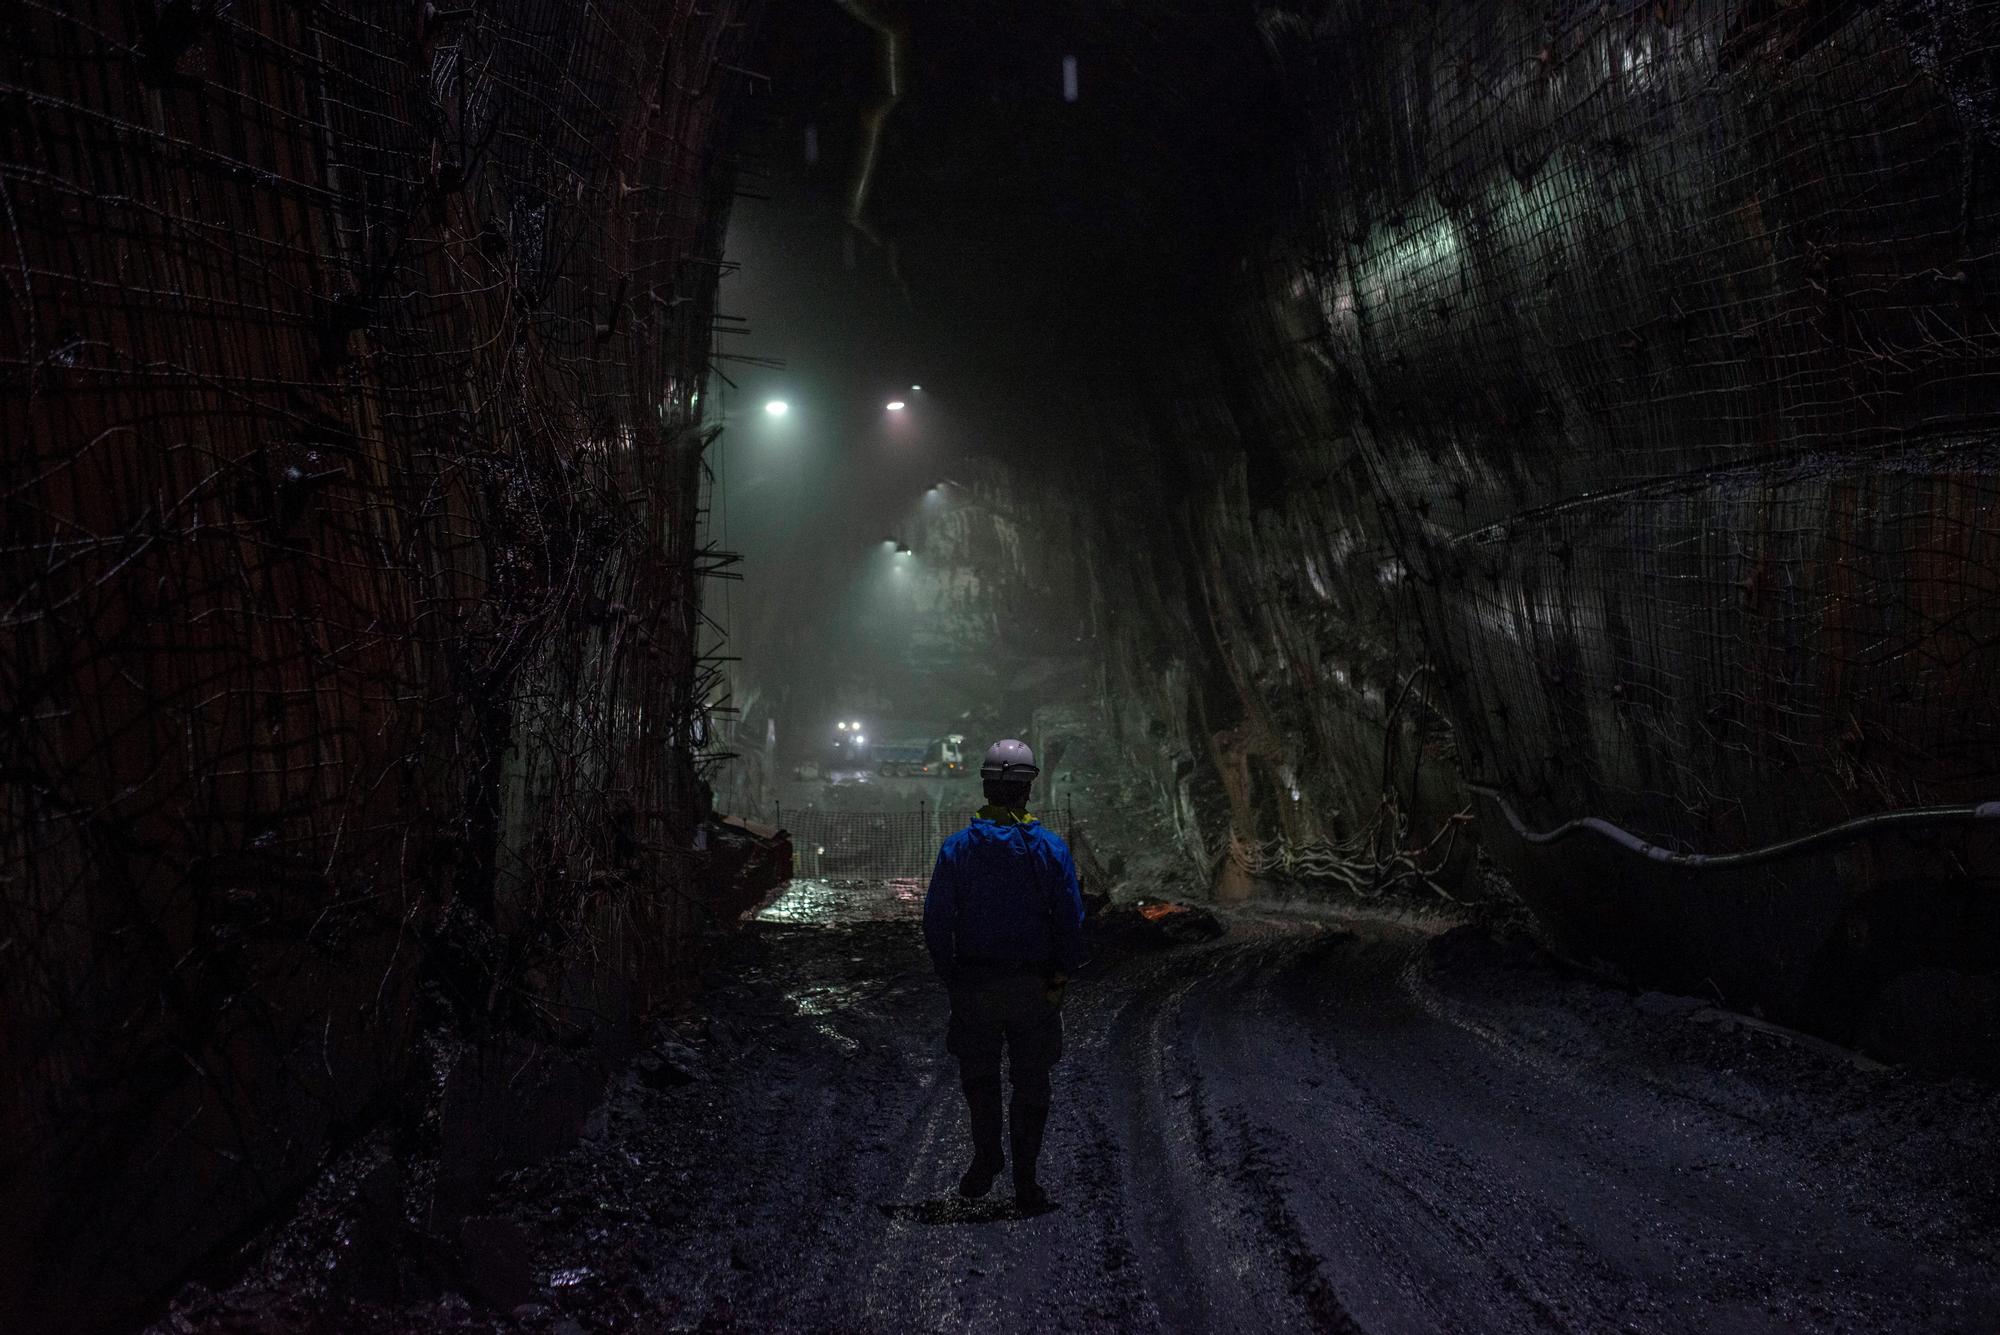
(827, 1003)
(811, 901)
(815, 900)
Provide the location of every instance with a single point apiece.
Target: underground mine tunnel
(522, 523)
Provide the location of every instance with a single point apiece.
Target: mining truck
(942, 757)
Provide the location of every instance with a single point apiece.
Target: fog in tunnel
(1028, 249)
(1486, 512)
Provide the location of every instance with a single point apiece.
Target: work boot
(1027, 1123)
(982, 1101)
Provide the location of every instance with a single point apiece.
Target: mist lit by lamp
(777, 407)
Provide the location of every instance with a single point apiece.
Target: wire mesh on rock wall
(1625, 376)
(349, 506)
(1669, 334)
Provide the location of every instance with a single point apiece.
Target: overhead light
(859, 738)
(894, 405)
(777, 407)
(902, 549)
(841, 726)
(916, 389)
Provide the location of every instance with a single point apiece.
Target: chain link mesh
(1665, 334)
(350, 539)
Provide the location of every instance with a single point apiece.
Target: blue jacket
(1004, 891)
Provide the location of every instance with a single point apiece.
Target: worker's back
(1003, 921)
(1004, 890)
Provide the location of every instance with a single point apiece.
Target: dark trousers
(1009, 1013)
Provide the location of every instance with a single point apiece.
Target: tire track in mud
(1228, 1025)
(1261, 1173)
(905, 1266)
(1540, 1144)
(1290, 1128)
(1439, 1229)
(1158, 1201)
(1101, 1157)
(1406, 1169)
(1222, 1242)
(1337, 1155)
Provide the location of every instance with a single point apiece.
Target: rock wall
(1610, 419)
(349, 483)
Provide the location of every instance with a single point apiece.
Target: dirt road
(1316, 1123)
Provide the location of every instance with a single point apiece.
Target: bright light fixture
(841, 726)
(777, 407)
(916, 389)
(859, 738)
(894, 405)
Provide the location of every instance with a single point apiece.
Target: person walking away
(1003, 921)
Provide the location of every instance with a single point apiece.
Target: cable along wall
(350, 508)
(1625, 375)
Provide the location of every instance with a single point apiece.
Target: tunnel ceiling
(1037, 234)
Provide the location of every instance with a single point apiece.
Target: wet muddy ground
(1318, 1122)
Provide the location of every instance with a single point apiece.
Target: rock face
(998, 616)
(1610, 419)
(350, 469)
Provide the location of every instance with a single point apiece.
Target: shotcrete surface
(1322, 1121)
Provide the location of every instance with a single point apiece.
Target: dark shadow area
(956, 1210)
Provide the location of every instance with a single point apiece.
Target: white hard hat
(1008, 759)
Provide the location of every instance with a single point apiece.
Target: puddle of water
(830, 999)
(815, 900)
(823, 1003)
